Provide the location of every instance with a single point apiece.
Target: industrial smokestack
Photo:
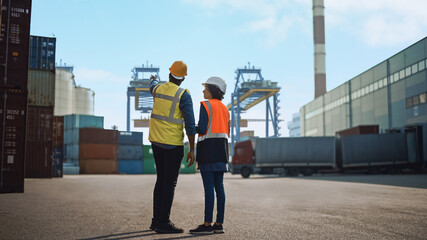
(319, 48)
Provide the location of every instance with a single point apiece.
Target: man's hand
(190, 156)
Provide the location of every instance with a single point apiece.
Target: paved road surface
(261, 207)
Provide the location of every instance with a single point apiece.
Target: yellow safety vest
(167, 122)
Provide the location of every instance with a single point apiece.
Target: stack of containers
(72, 125)
(98, 151)
(150, 165)
(58, 146)
(41, 98)
(130, 153)
(14, 42)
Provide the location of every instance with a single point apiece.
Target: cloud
(96, 76)
(379, 22)
(273, 18)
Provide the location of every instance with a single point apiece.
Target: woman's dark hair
(174, 80)
(215, 92)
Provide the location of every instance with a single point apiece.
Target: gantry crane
(139, 88)
(247, 93)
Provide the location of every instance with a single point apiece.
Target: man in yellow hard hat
(172, 108)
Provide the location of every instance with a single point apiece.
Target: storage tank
(84, 100)
(64, 87)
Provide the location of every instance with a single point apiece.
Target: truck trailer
(290, 156)
(373, 153)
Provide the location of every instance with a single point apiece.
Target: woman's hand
(190, 156)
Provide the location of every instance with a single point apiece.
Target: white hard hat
(217, 82)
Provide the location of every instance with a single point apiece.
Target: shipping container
(98, 135)
(15, 31)
(39, 148)
(130, 138)
(14, 48)
(141, 123)
(358, 130)
(307, 151)
(12, 142)
(83, 121)
(150, 165)
(147, 151)
(71, 154)
(249, 133)
(71, 136)
(42, 53)
(98, 166)
(97, 151)
(70, 169)
(416, 140)
(58, 131)
(41, 88)
(57, 162)
(374, 150)
(130, 166)
(128, 152)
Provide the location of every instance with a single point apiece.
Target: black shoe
(202, 229)
(217, 228)
(168, 228)
(154, 223)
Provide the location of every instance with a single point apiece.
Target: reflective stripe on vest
(209, 133)
(174, 100)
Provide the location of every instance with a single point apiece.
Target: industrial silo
(64, 92)
(84, 100)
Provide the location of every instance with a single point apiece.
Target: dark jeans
(214, 181)
(168, 163)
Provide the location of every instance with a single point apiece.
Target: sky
(105, 39)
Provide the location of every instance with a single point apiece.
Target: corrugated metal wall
(374, 150)
(39, 150)
(308, 151)
(130, 153)
(13, 107)
(41, 88)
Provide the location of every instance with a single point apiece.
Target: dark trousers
(168, 163)
(214, 181)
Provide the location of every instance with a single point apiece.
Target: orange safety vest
(218, 120)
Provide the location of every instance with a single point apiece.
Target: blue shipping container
(71, 136)
(58, 158)
(83, 121)
(70, 169)
(130, 138)
(130, 152)
(71, 153)
(130, 166)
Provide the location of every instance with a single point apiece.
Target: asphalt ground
(261, 207)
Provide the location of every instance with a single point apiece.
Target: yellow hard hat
(178, 69)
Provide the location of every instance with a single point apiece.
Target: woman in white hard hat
(212, 153)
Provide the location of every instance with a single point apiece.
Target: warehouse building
(391, 94)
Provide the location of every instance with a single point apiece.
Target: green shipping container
(150, 166)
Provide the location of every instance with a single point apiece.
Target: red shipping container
(97, 151)
(98, 166)
(39, 148)
(98, 135)
(243, 153)
(359, 130)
